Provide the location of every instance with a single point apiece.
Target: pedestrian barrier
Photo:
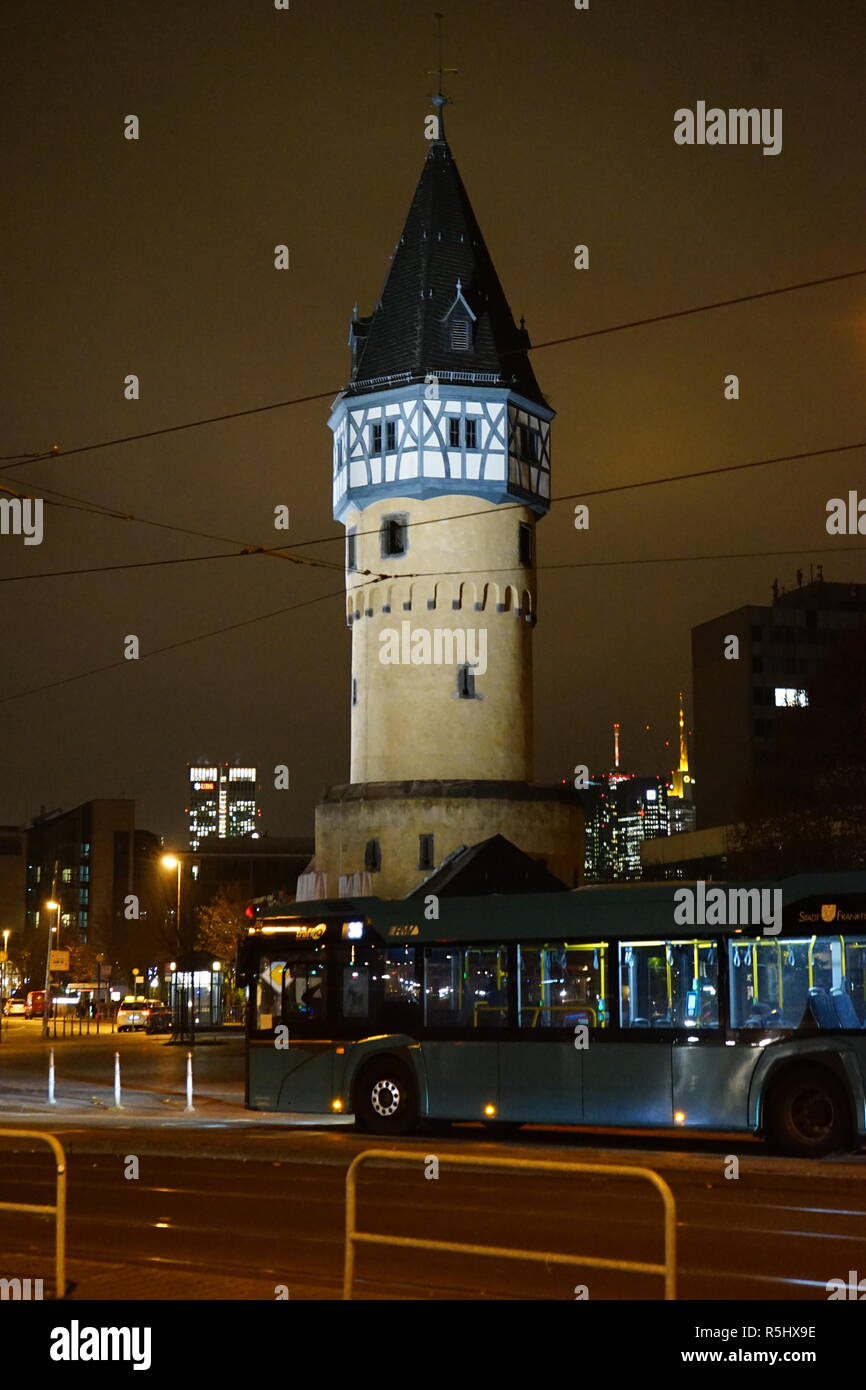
(667, 1270)
(58, 1211)
(70, 1025)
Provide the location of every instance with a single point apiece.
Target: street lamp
(172, 861)
(50, 905)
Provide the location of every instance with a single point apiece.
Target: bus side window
(466, 987)
(562, 985)
(669, 984)
(401, 990)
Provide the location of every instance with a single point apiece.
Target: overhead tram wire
(377, 576)
(171, 646)
(84, 504)
(57, 452)
(341, 593)
(640, 560)
(614, 487)
(277, 553)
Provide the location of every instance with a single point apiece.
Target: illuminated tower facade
(441, 470)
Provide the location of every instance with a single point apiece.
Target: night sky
(261, 127)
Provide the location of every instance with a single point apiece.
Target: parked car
(35, 1004)
(15, 1006)
(136, 1011)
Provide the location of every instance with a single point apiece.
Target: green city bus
(589, 1008)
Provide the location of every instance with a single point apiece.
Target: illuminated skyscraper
(222, 801)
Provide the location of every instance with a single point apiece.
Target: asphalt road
(231, 1204)
(240, 1226)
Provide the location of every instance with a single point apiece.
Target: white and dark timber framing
(441, 469)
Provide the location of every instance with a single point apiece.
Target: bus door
(561, 1003)
(710, 1078)
(465, 1009)
(667, 989)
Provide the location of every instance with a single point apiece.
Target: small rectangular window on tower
(529, 444)
(392, 535)
(372, 857)
(354, 690)
(471, 434)
(524, 543)
(465, 682)
(425, 852)
(391, 436)
(454, 431)
(351, 550)
(375, 439)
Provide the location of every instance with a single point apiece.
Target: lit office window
(787, 698)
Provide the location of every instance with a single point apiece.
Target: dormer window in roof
(458, 322)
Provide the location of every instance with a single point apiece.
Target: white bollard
(190, 1108)
(117, 1104)
(51, 1100)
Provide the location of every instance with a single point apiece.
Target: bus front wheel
(386, 1098)
(808, 1114)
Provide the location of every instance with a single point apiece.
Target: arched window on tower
(372, 857)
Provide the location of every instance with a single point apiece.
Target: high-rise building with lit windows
(623, 809)
(752, 670)
(222, 801)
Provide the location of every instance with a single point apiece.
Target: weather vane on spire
(440, 100)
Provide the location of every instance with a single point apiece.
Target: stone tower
(441, 469)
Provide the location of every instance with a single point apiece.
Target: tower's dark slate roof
(441, 244)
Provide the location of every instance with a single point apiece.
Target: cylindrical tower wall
(462, 594)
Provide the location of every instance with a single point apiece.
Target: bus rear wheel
(808, 1114)
(385, 1098)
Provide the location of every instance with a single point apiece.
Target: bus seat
(844, 1008)
(821, 1008)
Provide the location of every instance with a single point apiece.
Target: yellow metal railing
(667, 1270)
(58, 1210)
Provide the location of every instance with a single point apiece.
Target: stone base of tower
(368, 833)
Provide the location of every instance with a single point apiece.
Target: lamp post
(51, 930)
(5, 991)
(173, 861)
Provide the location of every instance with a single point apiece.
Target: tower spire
(684, 751)
(681, 777)
(440, 100)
